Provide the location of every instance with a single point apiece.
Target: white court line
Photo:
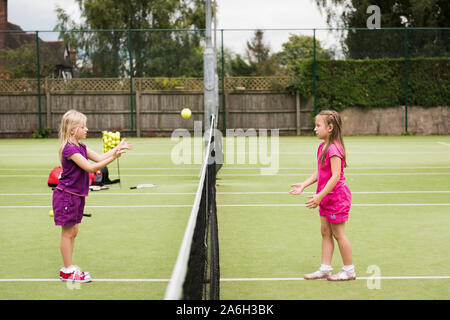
(232, 279)
(357, 278)
(353, 205)
(247, 174)
(198, 153)
(242, 205)
(118, 206)
(96, 280)
(445, 144)
(93, 193)
(243, 168)
(346, 174)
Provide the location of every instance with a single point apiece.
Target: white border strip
(234, 279)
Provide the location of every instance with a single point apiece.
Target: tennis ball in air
(50, 213)
(186, 113)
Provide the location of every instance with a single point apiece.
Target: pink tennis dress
(335, 206)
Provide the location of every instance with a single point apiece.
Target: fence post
(297, 111)
(48, 102)
(138, 107)
(314, 73)
(406, 79)
(131, 80)
(38, 82)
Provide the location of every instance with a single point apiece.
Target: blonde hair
(332, 117)
(70, 120)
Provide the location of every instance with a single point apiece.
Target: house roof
(15, 40)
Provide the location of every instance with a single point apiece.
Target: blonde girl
(69, 195)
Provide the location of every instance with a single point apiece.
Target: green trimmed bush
(375, 82)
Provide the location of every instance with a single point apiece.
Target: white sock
(325, 267)
(68, 270)
(349, 269)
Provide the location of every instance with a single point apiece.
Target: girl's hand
(298, 188)
(124, 145)
(314, 202)
(118, 152)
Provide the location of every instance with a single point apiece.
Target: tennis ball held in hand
(186, 113)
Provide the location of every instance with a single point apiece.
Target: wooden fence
(150, 106)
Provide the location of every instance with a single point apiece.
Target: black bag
(105, 178)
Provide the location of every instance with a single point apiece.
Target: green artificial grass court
(268, 240)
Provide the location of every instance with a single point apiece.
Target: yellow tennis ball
(50, 213)
(186, 113)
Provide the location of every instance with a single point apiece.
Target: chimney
(72, 56)
(3, 23)
(3, 14)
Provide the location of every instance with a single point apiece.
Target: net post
(224, 123)
(406, 77)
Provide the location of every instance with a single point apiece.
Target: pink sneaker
(317, 275)
(342, 276)
(75, 276)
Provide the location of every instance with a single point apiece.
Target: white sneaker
(342, 276)
(319, 274)
(76, 275)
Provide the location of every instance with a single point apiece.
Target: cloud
(267, 14)
(252, 14)
(33, 15)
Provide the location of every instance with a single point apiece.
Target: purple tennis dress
(69, 195)
(336, 204)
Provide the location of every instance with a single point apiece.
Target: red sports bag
(53, 178)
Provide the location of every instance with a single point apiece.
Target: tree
(154, 53)
(21, 62)
(238, 67)
(302, 47)
(394, 13)
(260, 61)
(257, 50)
(257, 60)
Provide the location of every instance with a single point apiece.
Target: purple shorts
(336, 205)
(68, 208)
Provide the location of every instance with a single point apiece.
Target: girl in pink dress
(333, 197)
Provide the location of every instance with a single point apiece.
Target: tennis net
(196, 274)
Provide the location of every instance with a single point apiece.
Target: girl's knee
(70, 231)
(325, 227)
(338, 231)
(325, 231)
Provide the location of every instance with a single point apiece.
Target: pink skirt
(336, 205)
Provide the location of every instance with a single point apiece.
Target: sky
(232, 14)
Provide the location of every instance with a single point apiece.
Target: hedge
(375, 82)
